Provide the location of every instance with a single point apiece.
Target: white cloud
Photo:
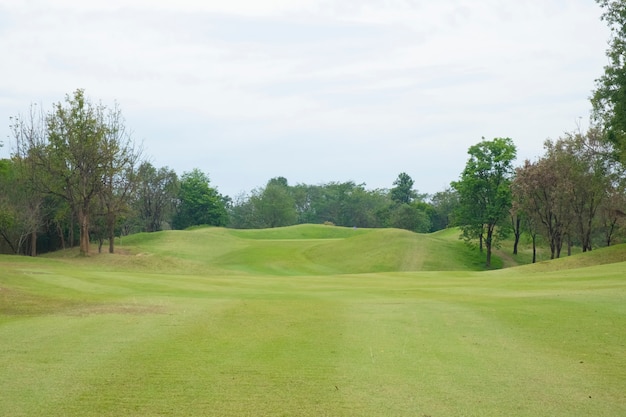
(269, 84)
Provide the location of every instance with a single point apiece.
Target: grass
(310, 321)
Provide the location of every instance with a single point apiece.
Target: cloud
(369, 88)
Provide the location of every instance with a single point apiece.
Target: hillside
(294, 250)
(316, 250)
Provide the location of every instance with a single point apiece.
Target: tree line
(574, 194)
(76, 177)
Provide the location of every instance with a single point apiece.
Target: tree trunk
(534, 248)
(111, 231)
(517, 233)
(6, 238)
(83, 220)
(569, 246)
(488, 245)
(71, 231)
(60, 232)
(33, 243)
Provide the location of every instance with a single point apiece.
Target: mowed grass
(310, 321)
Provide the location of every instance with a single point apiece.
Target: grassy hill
(310, 321)
(294, 250)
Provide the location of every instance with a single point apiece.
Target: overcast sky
(311, 90)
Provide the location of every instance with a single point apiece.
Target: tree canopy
(198, 202)
(77, 152)
(609, 98)
(484, 190)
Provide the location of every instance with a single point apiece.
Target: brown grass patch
(130, 309)
(19, 303)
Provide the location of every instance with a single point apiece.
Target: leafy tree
(612, 213)
(26, 198)
(305, 199)
(198, 202)
(584, 179)
(484, 190)
(155, 196)
(73, 157)
(242, 214)
(21, 208)
(119, 174)
(538, 191)
(411, 217)
(275, 206)
(445, 204)
(402, 192)
(609, 97)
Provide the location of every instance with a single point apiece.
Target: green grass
(310, 321)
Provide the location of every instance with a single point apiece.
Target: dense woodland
(76, 178)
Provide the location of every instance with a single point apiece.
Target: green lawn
(310, 321)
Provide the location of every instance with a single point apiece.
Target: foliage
(411, 217)
(566, 194)
(341, 203)
(78, 152)
(402, 192)
(484, 190)
(198, 202)
(275, 206)
(445, 205)
(155, 197)
(609, 97)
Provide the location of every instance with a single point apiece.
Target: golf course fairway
(310, 321)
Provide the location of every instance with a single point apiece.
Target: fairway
(310, 321)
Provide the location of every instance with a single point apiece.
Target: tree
(585, 177)
(609, 98)
(78, 153)
(516, 227)
(198, 202)
(538, 192)
(402, 192)
(484, 190)
(611, 214)
(445, 204)
(411, 217)
(155, 195)
(275, 206)
(26, 198)
(119, 173)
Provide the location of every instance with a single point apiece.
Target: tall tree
(612, 213)
(402, 192)
(75, 156)
(538, 191)
(155, 196)
(445, 205)
(198, 202)
(584, 178)
(20, 209)
(27, 198)
(119, 172)
(484, 190)
(275, 206)
(609, 97)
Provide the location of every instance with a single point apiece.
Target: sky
(315, 91)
